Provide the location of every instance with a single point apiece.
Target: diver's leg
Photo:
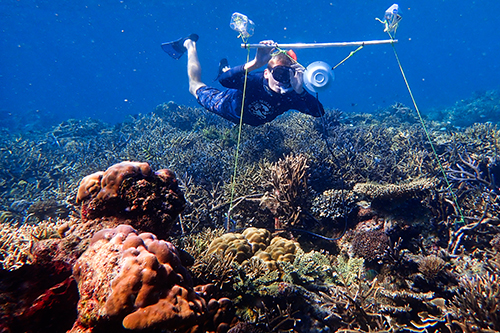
(193, 67)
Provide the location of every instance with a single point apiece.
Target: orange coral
(114, 176)
(90, 184)
(136, 280)
(106, 184)
(131, 193)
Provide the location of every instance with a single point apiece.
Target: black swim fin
(223, 64)
(176, 48)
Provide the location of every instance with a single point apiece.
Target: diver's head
(279, 72)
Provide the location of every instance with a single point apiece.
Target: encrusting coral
(137, 281)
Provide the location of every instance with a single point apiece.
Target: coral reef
(349, 223)
(480, 108)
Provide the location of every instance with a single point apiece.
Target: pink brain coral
(89, 185)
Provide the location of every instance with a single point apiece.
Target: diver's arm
(233, 78)
(262, 56)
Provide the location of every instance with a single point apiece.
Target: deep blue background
(102, 59)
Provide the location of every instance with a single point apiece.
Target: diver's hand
(262, 56)
(297, 79)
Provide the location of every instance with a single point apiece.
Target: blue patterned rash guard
(262, 104)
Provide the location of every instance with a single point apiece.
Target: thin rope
(455, 199)
(350, 55)
(233, 181)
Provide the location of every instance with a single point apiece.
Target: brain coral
(280, 249)
(255, 242)
(137, 280)
(133, 194)
(258, 238)
(232, 244)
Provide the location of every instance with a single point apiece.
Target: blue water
(102, 59)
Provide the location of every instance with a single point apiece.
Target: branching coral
(480, 108)
(14, 247)
(288, 180)
(477, 302)
(431, 266)
(48, 209)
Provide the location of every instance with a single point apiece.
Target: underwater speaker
(318, 76)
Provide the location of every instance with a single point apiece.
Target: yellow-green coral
(258, 238)
(308, 268)
(347, 270)
(232, 244)
(280, 249)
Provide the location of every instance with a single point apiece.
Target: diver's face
(279, 78)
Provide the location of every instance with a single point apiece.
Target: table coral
(137, 281)
(133, 194)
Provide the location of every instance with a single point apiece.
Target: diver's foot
(176, 48)
(223, 67)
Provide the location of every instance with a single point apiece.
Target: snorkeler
(267, 95)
